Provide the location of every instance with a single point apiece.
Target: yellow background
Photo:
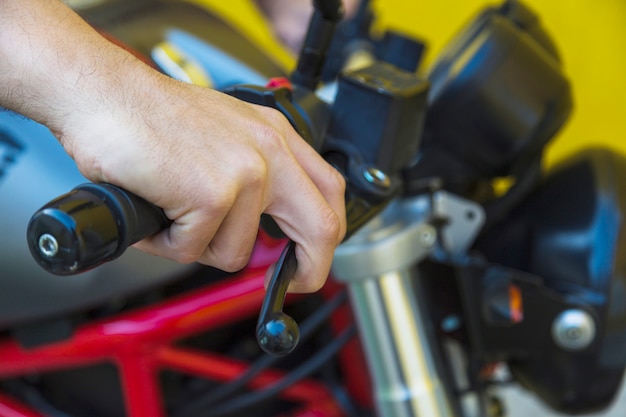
(590, 34)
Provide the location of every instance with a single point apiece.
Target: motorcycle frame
(141, 343)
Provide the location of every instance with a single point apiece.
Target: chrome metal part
(464, 218)
(394, 336)
(377, 177)
(574, 330)
(377, 266)
(397, 238)
(48, 245)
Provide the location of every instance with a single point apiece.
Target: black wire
(33, 396)
(497, 210)
(310, 365)
(331, 376)
(307, 329)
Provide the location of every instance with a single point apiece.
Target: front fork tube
(377, 265)
(399, 347)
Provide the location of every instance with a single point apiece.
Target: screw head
(574, 329)
(377, 177)
(48, 245)
(427, 236)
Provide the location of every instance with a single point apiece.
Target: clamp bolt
(377, 177)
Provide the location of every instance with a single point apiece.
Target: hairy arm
(213, 163)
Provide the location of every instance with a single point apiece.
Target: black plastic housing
(570, 232)
(380, 110)
(498, 95)
(374, 132)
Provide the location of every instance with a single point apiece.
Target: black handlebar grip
(90, 225)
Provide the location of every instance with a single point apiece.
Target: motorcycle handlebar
(96, 223)
(90, 225)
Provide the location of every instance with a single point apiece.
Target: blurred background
(591, 36)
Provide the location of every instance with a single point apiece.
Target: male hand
(211, 162)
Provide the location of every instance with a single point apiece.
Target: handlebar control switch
(380, 110)
(373, 134)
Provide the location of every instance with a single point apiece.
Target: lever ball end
(278, 335)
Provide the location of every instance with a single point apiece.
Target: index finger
(307, 202)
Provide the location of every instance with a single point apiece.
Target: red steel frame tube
(141, 344)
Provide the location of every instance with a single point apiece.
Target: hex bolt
(377, 177)
(48, 245)
(574, 329)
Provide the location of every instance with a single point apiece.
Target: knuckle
(328, 228)
(234, 263)
(336, 181)
(252, 169)
(186, 257)
(271, 139)
(215, 203)
(271, 135)
(186, 254)
(271, 114)
(189, 253)
(92, 167)
(315, 286)
(229, 259)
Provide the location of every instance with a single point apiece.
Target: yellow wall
(591, 35)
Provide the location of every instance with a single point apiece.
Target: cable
(33, 396)
(330, 374)
(307, 328)
(306, 368)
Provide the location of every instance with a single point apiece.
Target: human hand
(214, 167)
(212, 162)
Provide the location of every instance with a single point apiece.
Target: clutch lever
(278, 333)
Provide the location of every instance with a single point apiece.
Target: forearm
(54, 66)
